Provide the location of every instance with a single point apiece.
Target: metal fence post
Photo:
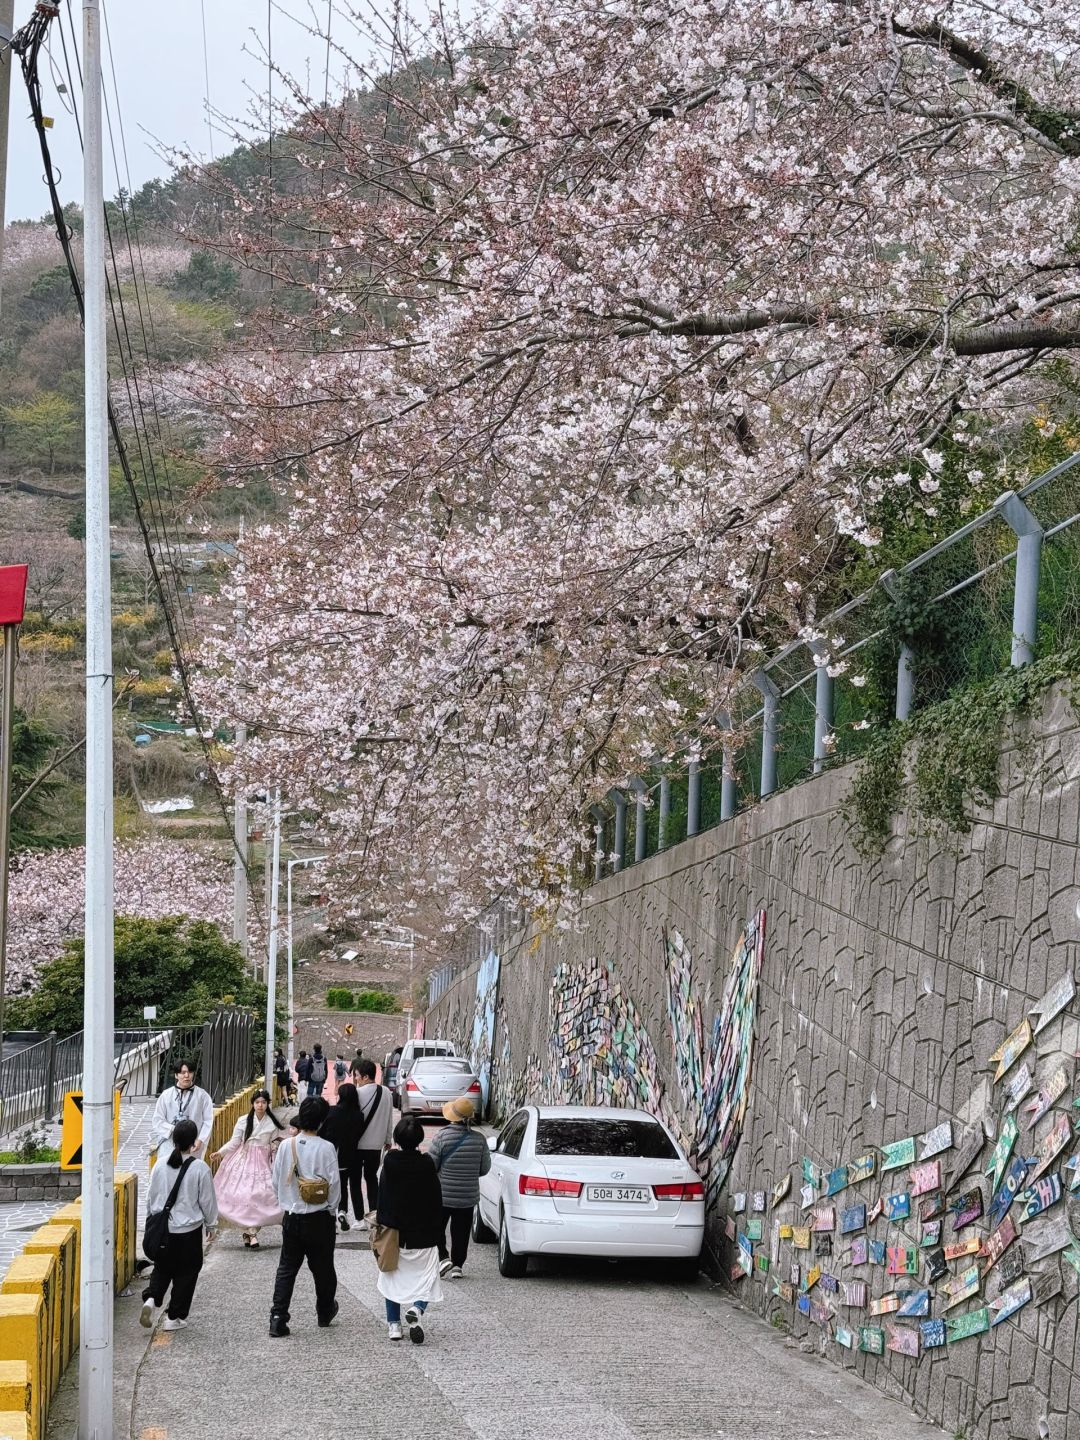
(905, 666)
(727, 770)
(823, 712)
(640, 834)
(50, 1074)
(598, 837)
(665, 813)
(620, 830)
(1029, 538)
(770, 699)
(206, 1063)
(693, 798)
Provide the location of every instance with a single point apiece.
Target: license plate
(621, 1194)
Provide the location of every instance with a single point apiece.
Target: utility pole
(12, 605)
(271, 963)
(240, 835)
(7, 29)
(96, 1278)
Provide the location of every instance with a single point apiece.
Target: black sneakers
(278, 1328)
(325, 1324)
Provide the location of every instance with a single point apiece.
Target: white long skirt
(416, 1278)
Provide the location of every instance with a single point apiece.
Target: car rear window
(429, 1052)
(443, 1062)
(621, 1139)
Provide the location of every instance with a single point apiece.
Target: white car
(578, 1180)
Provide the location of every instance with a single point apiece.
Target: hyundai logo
(617, 1174)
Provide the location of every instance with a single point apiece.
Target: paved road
(597, 1354)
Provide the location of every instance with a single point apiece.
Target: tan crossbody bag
(314, 1190)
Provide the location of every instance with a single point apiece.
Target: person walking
(354, 1066)
(283, 1076)
(319, 1071)
(184, 1100)
(378, 1104)
(244, 1184)
(410, 1202)
(460, 1156)
(344, 1127)
(307, 1186)
(303, 1071)
(195, 1205)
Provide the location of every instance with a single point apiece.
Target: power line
(206, 79)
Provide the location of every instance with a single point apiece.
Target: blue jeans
(315, 1087)
(393, 1310)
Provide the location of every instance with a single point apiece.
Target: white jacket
(175, 1104)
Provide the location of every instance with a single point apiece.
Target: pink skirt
(245, 1193)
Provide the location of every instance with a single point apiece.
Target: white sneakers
(395, 1331)
(174, 1324)
(445, 1266)
(454, 1273)
(148, 1314)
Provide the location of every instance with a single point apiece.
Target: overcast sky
(158, 52)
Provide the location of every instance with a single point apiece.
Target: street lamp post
(12, 604)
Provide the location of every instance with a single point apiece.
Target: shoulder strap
(445, 1155)
(175, 1191)
(295, 1160)
(368, 1115)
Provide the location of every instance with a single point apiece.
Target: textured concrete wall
(884, 990)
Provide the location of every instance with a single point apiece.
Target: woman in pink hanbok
(245, 1190)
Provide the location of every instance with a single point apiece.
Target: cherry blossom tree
(622, 314)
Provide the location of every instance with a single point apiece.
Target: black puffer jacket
(410, 1199)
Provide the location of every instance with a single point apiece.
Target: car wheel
(481, 1233)
(511, 1266)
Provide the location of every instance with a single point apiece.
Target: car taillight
(541, 1185)
(474, 1088)
(691, 1190)
(411, 1085)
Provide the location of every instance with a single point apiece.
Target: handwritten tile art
(811, 1173)
(931, 1234)
(820, 1314)
(959, 1248)
(967, 1156)
(1038, 1197)
(829, 1283)
(1046, 1285)
(729, 1227)
(877, 1252)
(936, 1140)
(852, 1219)
(803, 1304)
(903, 1340)
(1054, 1001)
(1010, 1301)
(1008, 1190)
(785, 1232)
(935, 1265)
(925, 1178)
(897, 1207)
(1010, 1049)
(960, 1288)
(860, 1169)
(854, 1293)
(931, 1206)
(757, 1204)
(860, 1254)
(795, 1275)
(1051, 1146)
(823, 1245)
(1009, 1268)
(762, 1263)
(875, 1211)
(900, 1152)
(813, 1277)
(1073, 1164)
(902, 1260)
(824, 1218)
(1017, 1086)
(1045, 1236)
(807, 1196)
(999, 1156)
(800, 1237)
(780, 1189)
(738, 1202)
(964, 1326)
(995, 1245)
(844, 1336)
(871, 1340)
(836, 1180)
(754, 1228)
(786, 1292)
(914, 1304)
(932, 1333)
(1049, 1092)
(885, 1304)
(966, 1208)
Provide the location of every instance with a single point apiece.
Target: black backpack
(318, 1069)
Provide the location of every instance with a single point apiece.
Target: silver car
(432, 1082)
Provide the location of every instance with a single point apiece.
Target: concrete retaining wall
(885, 987)
(37, 1182)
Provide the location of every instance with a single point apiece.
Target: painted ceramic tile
(813, 1276)
(754, 1229)
(836, 1180)
(795, 1275)
(844, 1337)
(1073, 1164)
(971, 1147)
(758, 1202)
(737, 1271)
(860, 1169)
(902, 1260)
(932, 1333)
(1008, 1190)
(1009, 1268)
(1046, 1285)
(1045, 1237)
(1049, 1092)
(875, 1211)
(774, 1284)
(877, 1252)
(854, 1293)
(800, 1237)
(903, 1340)
(1038, 1197)
(807, 1196)
(1054, 1001)
(936, 1140)
(785, 1232)
(811, 1173)
(1009, 1301)
(932, 1205)
(871, 1340)
(926, 1178)
(860, 1254)
(900, 1152)
(852, 1219)
(1051, 1146)
(959, 1248)
(931, 1234)
(935, 1265)
(960, 1288)
(1017, 1086)
(780, 1189)
(823, 1245)
(803, 1303)
(884, 1304)
(824, 1218)
(787, 1293)
(999, 1156)
(1072, 1255)
(738, 1202)
(820, 1313)
(915, 1304)
(1010, 1049)
(966, 1208)
(762, 1263)
(898, 1207)
(995, 1245)
(964, 1326)
(829, 1283)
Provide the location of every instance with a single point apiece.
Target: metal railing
(1000, 591)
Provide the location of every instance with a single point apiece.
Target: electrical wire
(206, 79)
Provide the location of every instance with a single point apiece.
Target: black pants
(178, 1267)
(307, 1237)
(351, 1178)
(460, 1220)
(367, 1164)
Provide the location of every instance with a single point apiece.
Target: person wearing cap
(461, 1156)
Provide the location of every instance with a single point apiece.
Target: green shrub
(338, 998)
(379, 1001)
